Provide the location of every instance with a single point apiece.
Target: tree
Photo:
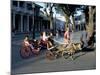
(90, 14)
(61, 8)
(68, 10)
(49, 13)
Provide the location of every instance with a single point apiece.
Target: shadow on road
(79, 53)
(29, 61)
(75, 57)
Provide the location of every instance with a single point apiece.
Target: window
(29, 6)
(21, 4)
(15, 3)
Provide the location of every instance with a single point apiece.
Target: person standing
(57, 34)
(67, 36)
(84, 38)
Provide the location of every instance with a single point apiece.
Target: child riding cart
(29, 47)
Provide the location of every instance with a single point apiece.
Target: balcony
(22, 10)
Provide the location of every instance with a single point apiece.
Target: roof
(38, 5)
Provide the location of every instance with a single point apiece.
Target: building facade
(25, 15)
(80, 20)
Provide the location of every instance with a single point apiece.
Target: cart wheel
(66, 55)
(35, 52)
(50, 55)
(25, 52)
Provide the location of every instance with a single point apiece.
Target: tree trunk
(67, 19)
(73, 25)
(51, 22)
(90, 26)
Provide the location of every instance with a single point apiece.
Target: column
(33, 24)
(21, 27)
(27, 23)
(18, 4)
(25, 5)
(14, 20)
(33, 29)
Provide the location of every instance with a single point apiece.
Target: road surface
(83, 60)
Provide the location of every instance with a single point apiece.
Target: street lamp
(33, 31)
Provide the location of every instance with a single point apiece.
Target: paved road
(16, 45)
(83, 61)
(40, 64)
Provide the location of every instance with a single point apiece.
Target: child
(26, 40)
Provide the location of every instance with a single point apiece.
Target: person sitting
(35, 47)
(50, 48)
(26, 41)
(50, 44)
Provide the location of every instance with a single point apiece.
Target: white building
(60, 22)
(80, 21)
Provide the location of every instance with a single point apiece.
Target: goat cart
(61, 50)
